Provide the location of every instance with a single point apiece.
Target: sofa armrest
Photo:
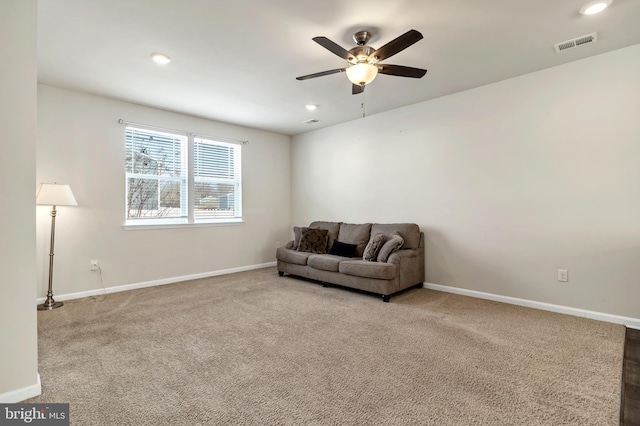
(396, 256)
(410, 266)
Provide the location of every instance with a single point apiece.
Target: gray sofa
(404, 268)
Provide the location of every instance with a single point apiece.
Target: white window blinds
(217, 179)
(156, 174)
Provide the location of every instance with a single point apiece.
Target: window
(174, 178)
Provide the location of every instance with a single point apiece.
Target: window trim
(189, 220)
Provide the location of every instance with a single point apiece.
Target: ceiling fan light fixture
(594, 7)
(362, 73)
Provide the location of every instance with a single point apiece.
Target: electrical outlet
(94, 265)
(563, 275)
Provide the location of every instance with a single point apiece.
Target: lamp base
(49, 306)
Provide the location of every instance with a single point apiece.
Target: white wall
(18, 327)
(510, 181)
(81, 143)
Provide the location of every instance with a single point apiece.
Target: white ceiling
(236, 60)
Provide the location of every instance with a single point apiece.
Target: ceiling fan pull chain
(362, 105)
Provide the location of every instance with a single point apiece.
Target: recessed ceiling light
(311, 107)
(594, 7)
(160, 58)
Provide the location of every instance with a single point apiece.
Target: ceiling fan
(364, 61)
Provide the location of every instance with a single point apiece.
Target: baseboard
(126, 287)
(21, 394)
(616, 319)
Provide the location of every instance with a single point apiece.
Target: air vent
(311, 121)
(576, 42)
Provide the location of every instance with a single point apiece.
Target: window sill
(148, 225)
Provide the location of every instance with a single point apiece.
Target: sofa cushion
(332, 227)
(292, 256)
(362, 268)
(357, 234)
(373, 247)
(343, 249)
(394, 243)
(326, 262)
(313, 240)
(410, 232)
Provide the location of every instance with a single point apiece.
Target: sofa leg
(385, 298)
(419, 285)
(281, 273)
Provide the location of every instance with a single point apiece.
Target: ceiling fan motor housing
(361, 54)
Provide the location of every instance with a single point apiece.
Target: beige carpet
(256, 349)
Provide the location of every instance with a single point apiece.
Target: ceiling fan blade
(356, 89)
(401, 71)
(396, 45)
(320, 74)
(333, 47)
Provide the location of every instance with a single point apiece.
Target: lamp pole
(50, 303)
(53, 195)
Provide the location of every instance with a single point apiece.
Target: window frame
(190, 219)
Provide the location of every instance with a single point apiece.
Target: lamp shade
(362, 73)
(52, 194)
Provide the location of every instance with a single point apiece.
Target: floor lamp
(52, 194)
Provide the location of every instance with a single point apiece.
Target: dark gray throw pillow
(393, 244)
(343, 249)
(373, 247)
(313, 240)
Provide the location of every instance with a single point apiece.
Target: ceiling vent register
(576, 42)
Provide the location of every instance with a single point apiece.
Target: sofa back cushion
(410, 232)
(332, 227)
(296, 237)
(357, 234)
